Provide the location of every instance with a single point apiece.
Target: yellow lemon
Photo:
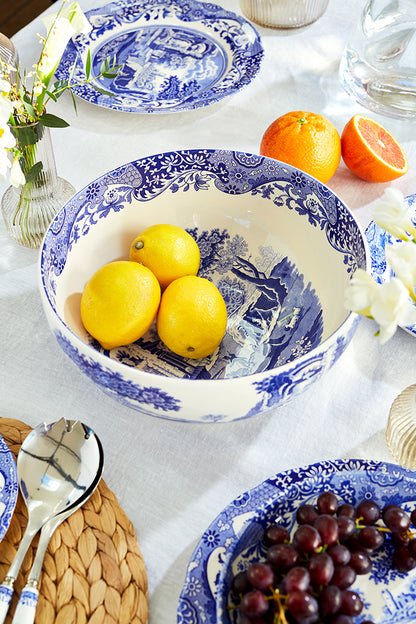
(192, 317)
(119, 303)
(167, 250)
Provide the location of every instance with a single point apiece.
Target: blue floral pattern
(275, 328)
(175, 55)
(8, 486)
(389, 596)
(378, 240)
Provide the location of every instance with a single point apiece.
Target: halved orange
(371, 152)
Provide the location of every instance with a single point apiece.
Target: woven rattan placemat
(93, 570)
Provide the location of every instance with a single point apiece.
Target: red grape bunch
(306, 577)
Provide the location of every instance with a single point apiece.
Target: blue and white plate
(176, 55)
(8, 486)
(378, 239)
(234, 538)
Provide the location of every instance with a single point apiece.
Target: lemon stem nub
(190, 349)
(139, 245)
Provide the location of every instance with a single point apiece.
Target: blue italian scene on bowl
(279, 245)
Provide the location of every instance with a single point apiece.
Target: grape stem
(279, 618)
(409, 533)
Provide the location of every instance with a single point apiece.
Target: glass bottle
(378, 67)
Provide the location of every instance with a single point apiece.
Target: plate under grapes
(233, 539)
(378, 240)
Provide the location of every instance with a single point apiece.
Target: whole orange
(307, 141)
(371, 152)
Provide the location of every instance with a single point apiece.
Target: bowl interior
(281, 269)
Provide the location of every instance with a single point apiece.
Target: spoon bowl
(56, 465)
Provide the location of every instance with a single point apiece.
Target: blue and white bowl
(280, 246)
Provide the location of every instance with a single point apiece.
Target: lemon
(119, 303)
(167, 250)
(192, 317)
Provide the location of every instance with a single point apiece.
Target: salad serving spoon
(26, 607)
(56, 466)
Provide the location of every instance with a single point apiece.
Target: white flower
(402, 259)
(361, 292)
(38, 87)
(6, 109)
(61, 27)
(4, 165)
(17, 177)
(392, 215)
(5, 87)
(7, 140)
(392, 308)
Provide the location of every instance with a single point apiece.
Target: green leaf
(74, 101)
(29, 108)
(27, 135)
(59, 85)
(52, 121)
(33, 172)
(72, 72)
(109, 74)
(88, 65)
(105, 65)
(102, 91)
(52, 95)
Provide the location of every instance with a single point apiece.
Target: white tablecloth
(172, 479)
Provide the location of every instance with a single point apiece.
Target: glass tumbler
(378, 67)
(283, 13)
(8, 53)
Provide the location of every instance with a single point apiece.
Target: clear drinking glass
(283, 13)
(8, 53)
(378, 67)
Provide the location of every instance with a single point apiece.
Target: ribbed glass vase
(29, 209)
(283, 13)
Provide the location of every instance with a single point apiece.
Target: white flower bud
(392, 308)
(392, 215)
(402, 259)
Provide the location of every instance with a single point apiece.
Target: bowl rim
(344, 328)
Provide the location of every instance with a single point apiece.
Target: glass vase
(283, 13)
(401, 428)
(29, 209)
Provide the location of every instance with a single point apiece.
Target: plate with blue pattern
(8, 486)
(378, 240)
(174, 55)
(233, 539)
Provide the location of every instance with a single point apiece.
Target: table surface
(163, 472)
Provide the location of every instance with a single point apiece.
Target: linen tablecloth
(172, 479)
